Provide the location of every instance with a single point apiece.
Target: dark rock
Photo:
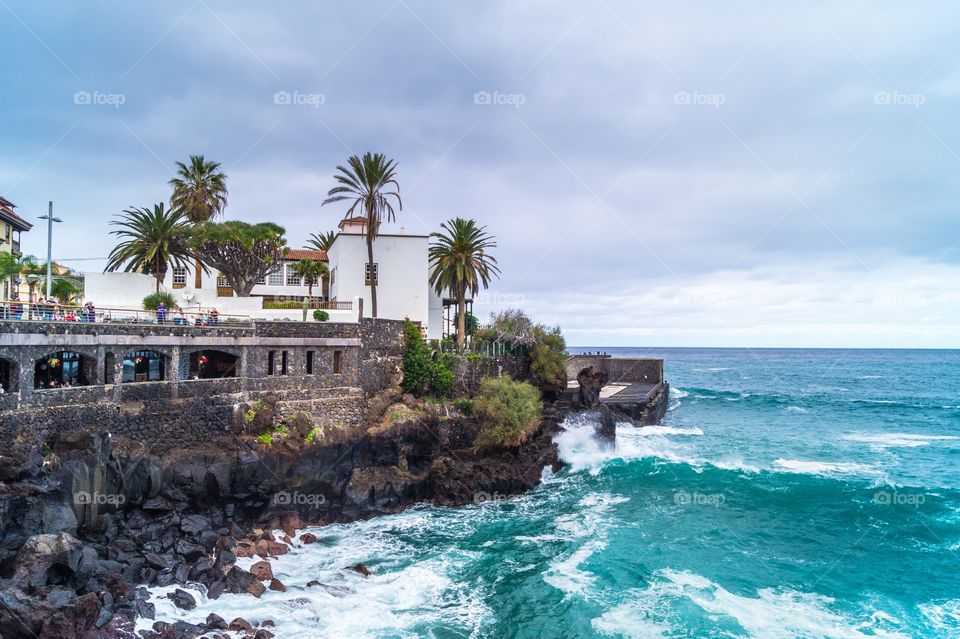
(263, 634)
(239, 625)
(239, 580)
(194, 524)
(215, 622)
(308, 538)
(276, 584)
(360, 568)
(591, 381)
(182, 599)
(216, 589)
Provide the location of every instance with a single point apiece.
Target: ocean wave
(714, 369)
(897, 440)
(942, 615)
(652, 612)
(800, 410)
(647, 431)
(826, 469)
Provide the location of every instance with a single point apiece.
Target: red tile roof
(305, 254)
(6, 212)
(356, 219)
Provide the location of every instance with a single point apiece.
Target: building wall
(403, 288)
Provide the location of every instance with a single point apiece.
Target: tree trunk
(461, 321)
(373, 280)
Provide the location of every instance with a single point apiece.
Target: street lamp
(50, 220)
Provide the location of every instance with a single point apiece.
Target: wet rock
(182, 599)
(215, 622)
(194, 524)
(591, 381)
(308, 538)
(239, 580)
(262, 570)
(276, 584)
(239, 625)
(263, 634)
(360, 568)
(46, 558)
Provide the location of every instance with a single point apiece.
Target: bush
(509, 412)
(548, 360)
(321, 315)
(285, 305)
(464, 405)
(421, 374)
(152, 301)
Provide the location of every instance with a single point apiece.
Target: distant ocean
(788, 493)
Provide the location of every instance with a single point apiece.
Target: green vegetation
(250, 415)
(370, 184)
(288, 305)
(311, 271)
(65, 290)
(509, 412)
(321, 241)
(465, 406)
(545, 347)
(199, 190)
(421, 373)
(244, 253)
(274, 435)
(321, 315)
(315, 434)
(153, 240)
(151, 301)
(460, 262)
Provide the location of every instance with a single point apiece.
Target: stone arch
(145, 365)
(64, 368)
(9, 375)
(210, 363)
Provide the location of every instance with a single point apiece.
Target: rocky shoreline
(90, 520)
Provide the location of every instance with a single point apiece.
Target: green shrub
(152, 301)
(548, 357)
(321, 315)
(509, 412)
(421, 373)
(285, 305)
(465, 406)
(273, 435)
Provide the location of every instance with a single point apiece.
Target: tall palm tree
(370, 184)
(460, 263)
(200, 191)
(312, 271)
(153, 240)
(321, 241)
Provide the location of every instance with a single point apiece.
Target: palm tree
(65, 290)
(312, 271)
(153, 240)
(321, 241)
(460, 263)
(370, 183)
(200, 189)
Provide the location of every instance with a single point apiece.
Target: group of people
(49, 310)
(179, 318)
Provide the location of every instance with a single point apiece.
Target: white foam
(646, 431)
(812, 467)
(674, 398)
(897, 440)
(796, 409)
(942, 615)
(771, 614)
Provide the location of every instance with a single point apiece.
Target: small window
(371, 272)
(283, 363)
(333, 276)
(222, 282)
(293, 278)
(270, 357)
(336, 362)
(309, 362)
(263, 280)
(179, 276)
(276, 278)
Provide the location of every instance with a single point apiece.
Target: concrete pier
(635, 387)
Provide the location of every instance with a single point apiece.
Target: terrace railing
(295, 302)
(55, 313)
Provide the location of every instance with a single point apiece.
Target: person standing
(161, 313)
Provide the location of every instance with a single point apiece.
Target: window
(222, 282)
(309, 362)
(262, 280)
(276, 278)
(270, 356)
(7, 226)
(179, 276)
(293, 278)
(371, 273)
(336, 362)
(283, 363)
(333, 276)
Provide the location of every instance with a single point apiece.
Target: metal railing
(295, 302)
(13, 310)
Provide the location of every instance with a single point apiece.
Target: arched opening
(8, 376)
(62, 369)
(210, 364)
(143, 366)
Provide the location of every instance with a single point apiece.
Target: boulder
(591, 381)
(182, 599)
(46, 559)
(276, 584)
(239, 625)
(308, 538)
(239, 580)
(262, 570)
(215, 622)
(360, 568)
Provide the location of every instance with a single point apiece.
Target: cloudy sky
(782, 173)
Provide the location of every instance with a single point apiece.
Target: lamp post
(50, 220)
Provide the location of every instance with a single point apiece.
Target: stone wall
(620, 369)
(188, 411)
(471, 370)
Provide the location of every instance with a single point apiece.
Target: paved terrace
(631, 380)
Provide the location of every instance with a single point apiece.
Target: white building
(401, 270)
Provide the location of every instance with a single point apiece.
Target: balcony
(15, 247)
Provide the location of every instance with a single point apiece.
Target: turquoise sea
(788, 493)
